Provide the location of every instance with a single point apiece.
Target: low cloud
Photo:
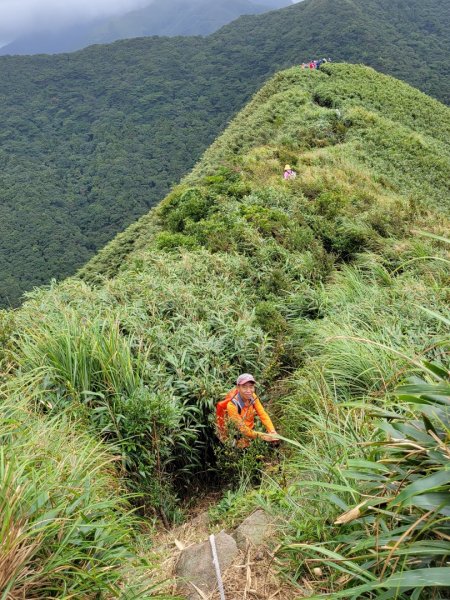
(18, 17)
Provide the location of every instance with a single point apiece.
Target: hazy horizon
(23, 17)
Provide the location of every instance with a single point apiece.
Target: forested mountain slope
(91, 140)
(181, 17)
(316, 285)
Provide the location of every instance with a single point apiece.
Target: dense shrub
(190, 205)
(395, 496)
(66, 526)
(173, 241)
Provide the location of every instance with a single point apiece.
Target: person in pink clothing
(289, 173)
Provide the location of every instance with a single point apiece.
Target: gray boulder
(195, 565)
(257, 529)
(201, 521)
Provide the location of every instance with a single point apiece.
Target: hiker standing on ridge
(240, 407)
(289, 173)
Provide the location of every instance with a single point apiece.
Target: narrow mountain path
(254, 573)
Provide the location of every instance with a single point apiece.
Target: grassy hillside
(327, 287)
(92, 139)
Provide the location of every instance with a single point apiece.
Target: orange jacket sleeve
(234, 415)
(265, 419)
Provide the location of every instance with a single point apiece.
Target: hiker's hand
(275, 441)
(270, 437)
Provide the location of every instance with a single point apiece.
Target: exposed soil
(252, 576)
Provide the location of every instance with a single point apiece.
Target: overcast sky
(23, 16)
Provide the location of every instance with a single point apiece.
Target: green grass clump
(143, 370)
(374, 324)
(66, 527)
(394, 491)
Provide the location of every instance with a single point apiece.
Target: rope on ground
(212, 541)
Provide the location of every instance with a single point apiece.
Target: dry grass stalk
(14, 554)
(253, 577)
(350, 515)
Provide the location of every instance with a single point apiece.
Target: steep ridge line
(92, 139)
(239, 270)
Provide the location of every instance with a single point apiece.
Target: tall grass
(390, 481)
(144, 363)
(393, 538)
(66, 530)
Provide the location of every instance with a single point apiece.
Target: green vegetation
(91, 140)
(65, 531)
(330, 288)
(399, 541)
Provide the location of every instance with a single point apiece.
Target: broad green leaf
(337, 501)
(425, 548)
(428, 424)
(406, 580)
(434, 314)
(433, 577)
(433, 236)
(439, 370)
(438, 501)
(362, 464)
(424, 484)
(362, 476)
(353, 567)
(323, 484)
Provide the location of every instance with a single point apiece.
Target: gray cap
(245, 378)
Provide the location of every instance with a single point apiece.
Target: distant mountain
(52, 42)
(91, 140)
(179, 17)
(161, 17)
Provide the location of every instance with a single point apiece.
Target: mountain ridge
(330, 288)
(222, 151)
(92, 139)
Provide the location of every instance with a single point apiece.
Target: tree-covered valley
(91, 140)
(331, 288)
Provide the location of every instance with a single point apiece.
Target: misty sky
(24, 16)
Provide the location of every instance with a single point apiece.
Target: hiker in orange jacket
(244, 404)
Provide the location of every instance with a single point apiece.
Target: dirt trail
(252, 576)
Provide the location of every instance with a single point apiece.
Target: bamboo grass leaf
(423, 484)
(439, 502)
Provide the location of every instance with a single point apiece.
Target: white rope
(212, 541)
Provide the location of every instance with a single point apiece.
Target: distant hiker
(289, 173)
(312, 65)
(240, 406)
